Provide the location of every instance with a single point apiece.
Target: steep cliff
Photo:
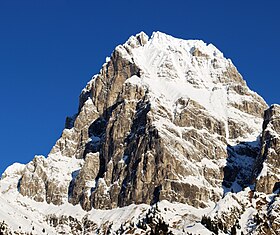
(167, 127)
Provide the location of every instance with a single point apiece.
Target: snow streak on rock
(168, 138)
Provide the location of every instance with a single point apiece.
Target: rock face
(43, 180)
(141, 145)
(165, 119)
(268, 162)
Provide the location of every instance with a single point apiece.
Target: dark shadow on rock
(276, 188)
(18, 184)
(134, 143)
(96, 132)
(156, 194)
(72, 183)
(239, 166)
(143, 138)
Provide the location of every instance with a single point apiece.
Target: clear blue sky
(49, 49)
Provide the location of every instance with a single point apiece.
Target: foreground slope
(167, 132)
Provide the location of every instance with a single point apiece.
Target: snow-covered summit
(164, 41)
(172, 69)
(167, 122)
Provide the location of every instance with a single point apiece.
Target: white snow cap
(173, 69)
(163, 56)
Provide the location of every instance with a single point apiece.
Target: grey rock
(268, 161)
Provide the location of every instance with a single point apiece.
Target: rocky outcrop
(268, 162)
(75, 137)
(48, 179)
(33, 181)
(263, 201)
(192, 114)
(81, 186)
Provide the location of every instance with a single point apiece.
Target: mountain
(168, 139)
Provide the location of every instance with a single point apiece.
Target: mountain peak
(172, 68)
(167, 132)
(166, 41)
(182, 57)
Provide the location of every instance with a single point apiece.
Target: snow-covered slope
(173, 68)
(167, 138)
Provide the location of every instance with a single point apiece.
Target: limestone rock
(268, 162)
(33, 181)
(166, 121)
(136, 146)
(85, 181)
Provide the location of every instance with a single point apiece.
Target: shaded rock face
(81, 186)
(134, 147)
(268, 162)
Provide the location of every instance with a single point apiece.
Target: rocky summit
(168, 139)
